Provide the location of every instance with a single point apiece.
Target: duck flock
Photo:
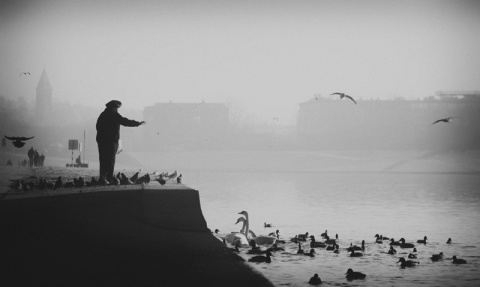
(119, 179)
(261, 249)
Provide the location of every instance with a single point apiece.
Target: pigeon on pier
(134, 177)
(124, 179)
(58, 183)
(49, 184)
(18, 185)
(145, 179)
(116, 181)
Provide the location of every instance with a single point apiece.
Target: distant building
(186, 126)
(43, 99)
(391, 124)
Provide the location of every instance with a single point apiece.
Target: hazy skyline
(261, 57)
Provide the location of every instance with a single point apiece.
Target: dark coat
(108, 126)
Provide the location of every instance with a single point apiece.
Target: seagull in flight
(342, 95)
(18, 141)
(24, 73)
(446, 120)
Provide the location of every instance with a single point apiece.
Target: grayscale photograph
(227, 143)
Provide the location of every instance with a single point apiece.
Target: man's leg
(110, 165)
(103, 158)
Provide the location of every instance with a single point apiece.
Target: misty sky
(261, 57)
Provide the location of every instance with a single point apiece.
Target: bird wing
(351, 99)
(441, 120)
(24, 138)
(340, 94)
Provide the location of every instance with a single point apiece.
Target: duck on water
(352, 275)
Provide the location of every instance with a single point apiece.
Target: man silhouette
(36, 157)
(108, 135)
(31, 155)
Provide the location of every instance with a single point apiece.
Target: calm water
(356, 207)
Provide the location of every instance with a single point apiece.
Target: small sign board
(72, 144)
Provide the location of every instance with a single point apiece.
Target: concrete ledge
(125, 236)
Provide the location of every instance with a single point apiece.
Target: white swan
(241, 237)
(238, 237)
(260, 240)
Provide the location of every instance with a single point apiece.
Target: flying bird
(24, 73)
(446, 120)
(342, 95)
(18, 142)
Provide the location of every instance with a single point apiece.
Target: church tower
(44, 99)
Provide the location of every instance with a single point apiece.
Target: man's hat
(114, 104)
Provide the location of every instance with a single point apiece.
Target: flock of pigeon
(80, 182)
(330, 244)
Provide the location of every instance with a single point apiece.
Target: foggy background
(263, 60)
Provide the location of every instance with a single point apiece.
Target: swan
(242, 235)
(261, 239)
(235, 237)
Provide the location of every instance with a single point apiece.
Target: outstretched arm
(128, 123)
